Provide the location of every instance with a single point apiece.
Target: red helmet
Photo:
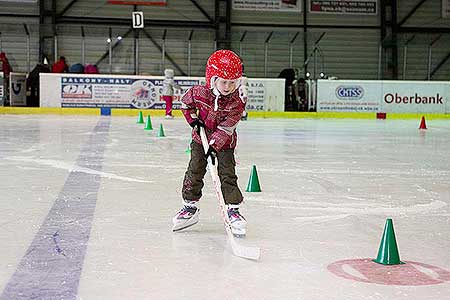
(224, 64)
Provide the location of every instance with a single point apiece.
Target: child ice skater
(217, 107)
(168, 89)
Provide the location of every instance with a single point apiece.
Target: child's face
(226, 86)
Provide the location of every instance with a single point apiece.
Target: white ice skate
(238, 222)
(169, 117)
(186, 217)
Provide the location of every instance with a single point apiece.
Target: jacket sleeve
(226, 128)
(176, 86)
(188, 107)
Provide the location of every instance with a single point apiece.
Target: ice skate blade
(175, 229)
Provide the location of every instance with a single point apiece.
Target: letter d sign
(138, 19)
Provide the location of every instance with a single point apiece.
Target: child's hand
(212, 153)
(197, 124)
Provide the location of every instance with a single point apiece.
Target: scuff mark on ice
(356, 208)
(74, 168)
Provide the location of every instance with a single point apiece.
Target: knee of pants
(197, 163)
(227, 163)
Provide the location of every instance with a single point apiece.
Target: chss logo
(349, 92)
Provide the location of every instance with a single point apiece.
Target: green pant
(193, 178)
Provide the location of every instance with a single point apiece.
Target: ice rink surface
(86, 205)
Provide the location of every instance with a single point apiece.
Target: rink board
(256, 114)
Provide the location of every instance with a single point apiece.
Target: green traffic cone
(161, 131)
(253, 182)
(388, 252)
(148, 125)
(140, 119)
(188, 149)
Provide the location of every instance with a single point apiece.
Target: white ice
(328, 187)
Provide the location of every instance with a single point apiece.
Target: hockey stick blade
(252, 253)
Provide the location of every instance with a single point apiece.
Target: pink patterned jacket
(220, 125)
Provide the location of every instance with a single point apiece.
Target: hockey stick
(238, 250)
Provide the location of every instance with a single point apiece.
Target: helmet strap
(217, 94)
(212, 82)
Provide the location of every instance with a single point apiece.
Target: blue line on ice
(52, 265)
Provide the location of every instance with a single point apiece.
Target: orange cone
(422, 123)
